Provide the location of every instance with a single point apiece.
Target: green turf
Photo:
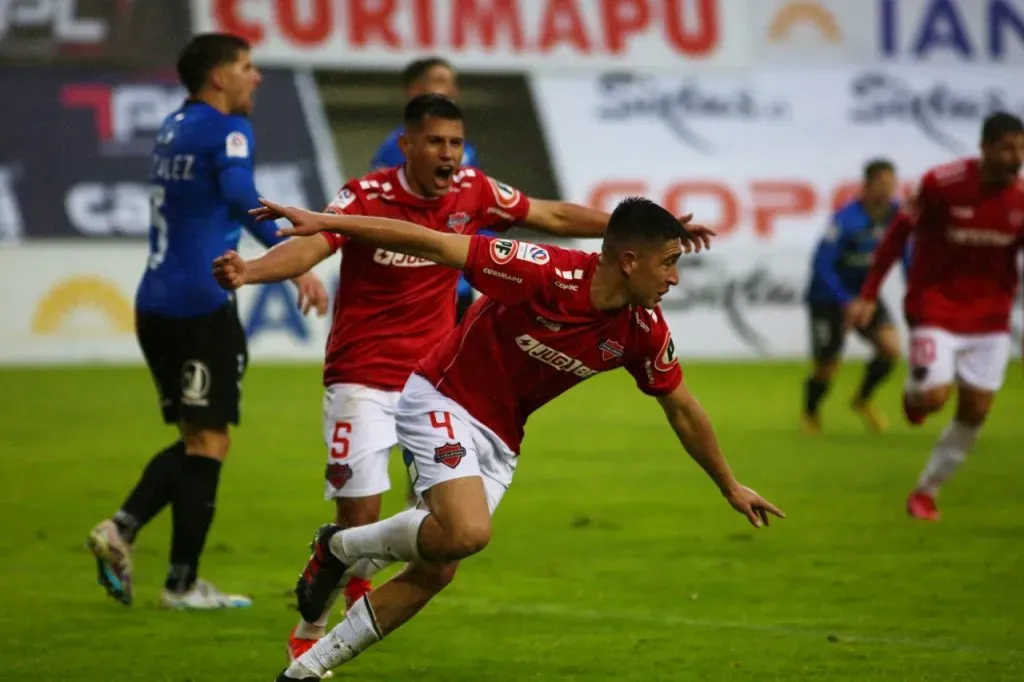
(613, 556)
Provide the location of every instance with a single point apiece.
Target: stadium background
(757, 115)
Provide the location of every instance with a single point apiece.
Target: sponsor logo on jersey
(667, 357)
(399, 260)
(503, 250)
(640, 321)
(505, 196)
(553, 326)
(458, 221)
(611, 349)
(531, 253)
(338, 475)
(554, 358)
(236, 146)
(449, 454)
(975, 237)
(503, 275)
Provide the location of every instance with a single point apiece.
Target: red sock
(356, 588)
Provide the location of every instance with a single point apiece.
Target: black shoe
(322, 574)
(283, 677)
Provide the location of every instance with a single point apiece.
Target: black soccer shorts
(197, 364)
(827, 330)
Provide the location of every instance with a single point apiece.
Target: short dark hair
(419, 68)
(874, 167)
(437, 106)
(638, 219)
(998, 124)
(203, 54)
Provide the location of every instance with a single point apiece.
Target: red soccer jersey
(391, 309)
(963, 268)
(535, 335)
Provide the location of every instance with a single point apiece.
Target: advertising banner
(864, 32)
(77, 160)
(766, 157)
(487, 35)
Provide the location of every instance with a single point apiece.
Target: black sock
(152, 493)
(874, 374)
(193, 507)
(814, 392)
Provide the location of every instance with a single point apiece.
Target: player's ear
(404, 144)
(628, 260)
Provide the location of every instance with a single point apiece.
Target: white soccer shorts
(939, 357)
(441, 442)
(359, 432)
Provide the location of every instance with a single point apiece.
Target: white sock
(393, 539)
(347, 640)
(955, 443)
(367, 568)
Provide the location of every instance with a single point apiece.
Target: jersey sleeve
(825, 256)
(348, 201)
(500, 206)
(509, 271)
(653, 362)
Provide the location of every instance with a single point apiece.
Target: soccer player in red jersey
(392, 308)
(548, 319)
(968, 225)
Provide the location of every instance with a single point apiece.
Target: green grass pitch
(613, 556)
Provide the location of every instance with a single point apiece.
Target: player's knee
(825, 370)
(469, 537)
(356, 511)
(209, 442)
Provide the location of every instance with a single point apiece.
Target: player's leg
(111, 540)
(929, 383)
(827, 339)
(359, 432)
(882, 335)
(216, 356)
(980, 369)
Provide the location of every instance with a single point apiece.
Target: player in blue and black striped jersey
(202, 187)
(841, 262)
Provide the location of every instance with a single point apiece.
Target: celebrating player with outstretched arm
(549, 318)
(392, 308)
(968, 227)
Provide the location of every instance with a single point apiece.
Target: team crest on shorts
(449, 454)
(611, 350)
(338, 475)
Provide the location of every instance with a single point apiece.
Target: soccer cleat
(810, 423)
(321, 576)
(308, 675)
(113, 560)
(915, 416)
(202, 596)
(873, 419)
(922, 506)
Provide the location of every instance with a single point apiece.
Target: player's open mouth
(443, 175)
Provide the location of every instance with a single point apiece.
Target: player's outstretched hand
(700, 236)
(753, 506)
(230, 270)
(312, 294)
(859, 313)
(303, 222)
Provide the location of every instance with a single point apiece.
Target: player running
(840, 265)
(549, 318)
(968, 225)
(202, 189)
(393, 308)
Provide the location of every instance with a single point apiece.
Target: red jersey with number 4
(392, 309)
(534, 335)
(963, 269)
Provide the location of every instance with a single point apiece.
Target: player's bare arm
(860, 311)
(291, 259)
(566, 219)
(394, 235)
(693, 428)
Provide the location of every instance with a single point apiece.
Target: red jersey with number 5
(967, 236)
(391, 309)
(535, 334)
